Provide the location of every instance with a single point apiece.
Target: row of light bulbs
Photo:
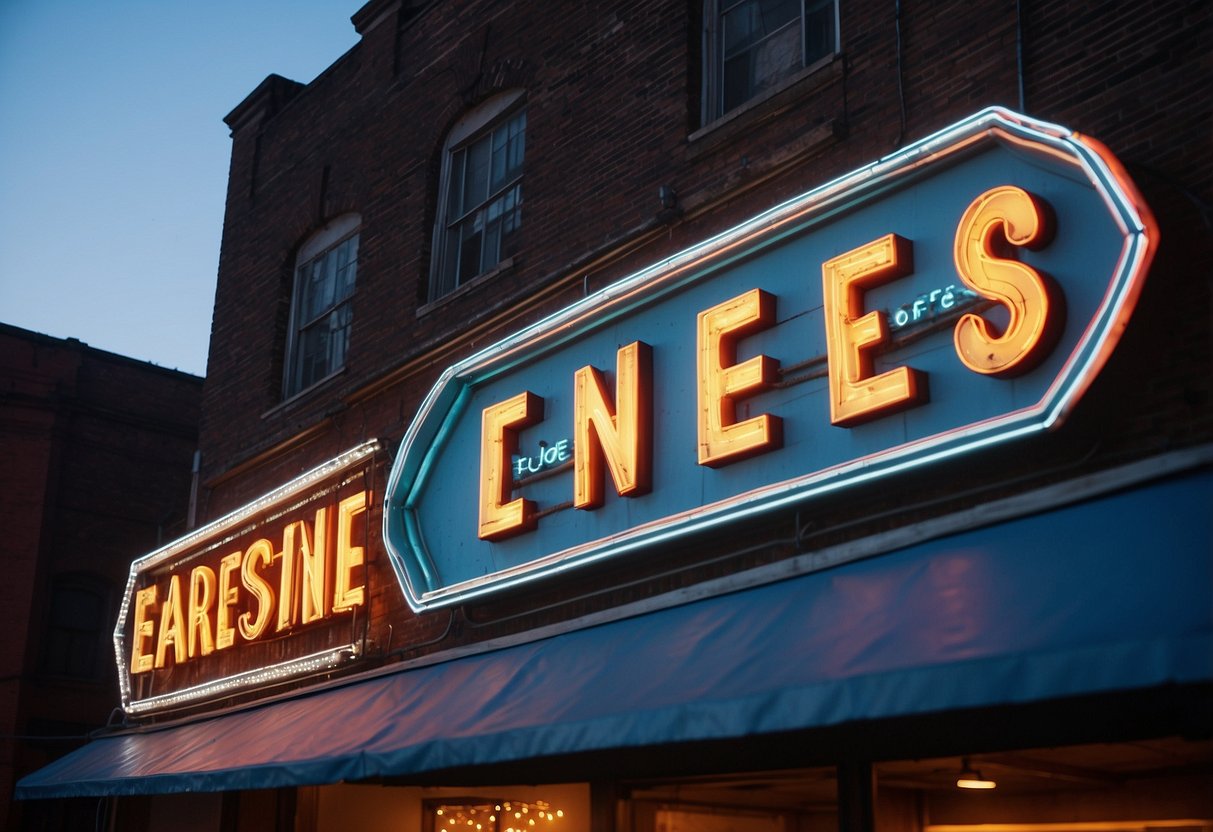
(519, 816)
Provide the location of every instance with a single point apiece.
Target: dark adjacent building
(96, 451)
(681, 417)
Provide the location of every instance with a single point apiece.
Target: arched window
(480, 198)
(325, 271)
(754, 47)
(78, 627)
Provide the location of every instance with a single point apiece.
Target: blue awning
(1108, 595)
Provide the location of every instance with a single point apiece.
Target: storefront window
(804, 800)
(1130, 786)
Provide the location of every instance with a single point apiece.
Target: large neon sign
(756, 370)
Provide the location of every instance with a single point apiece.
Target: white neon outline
(1090, 352)
(205, 533)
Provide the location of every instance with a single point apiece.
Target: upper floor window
(77, 630)
(480, 200)
(754, 46)
(325, 270)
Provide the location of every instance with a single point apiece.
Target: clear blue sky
(114, 155)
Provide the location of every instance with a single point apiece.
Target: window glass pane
(472, 233)
(476, 182)
(819, 31)
(454, 200)
(500, 157)
(773, 55)
(517, 143)
(747, 23)
(450, 264)
(347, 268)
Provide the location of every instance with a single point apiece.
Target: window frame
(320, 245)
(63, 640)
(474, 126)
(713, 52)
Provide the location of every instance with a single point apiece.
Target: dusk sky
(114, 157)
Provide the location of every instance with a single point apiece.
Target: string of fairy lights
(506, 816)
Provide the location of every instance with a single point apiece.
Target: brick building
(818, 564)
(97, 450)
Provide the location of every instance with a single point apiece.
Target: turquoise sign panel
(1095, 256)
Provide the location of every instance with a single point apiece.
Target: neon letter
(172, 625)
(225, 633)
(1001, 216)
(202, 594)
(141, 662)
(288, 580)
(260, 554)
(855, 394)
(625, 440)
(349, 556)
(722, 439)
(501, 517)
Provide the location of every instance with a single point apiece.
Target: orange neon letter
(722, 439)
(313, 552)
(349, 556)
(172, 625)
(499, 516)
(259, 555)
(288, 580)
(625, 440)
(855, 394)
(225, 632)
(202, 595)
(141, 662)
(1002, 216)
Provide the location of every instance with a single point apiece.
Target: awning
(1107, 595)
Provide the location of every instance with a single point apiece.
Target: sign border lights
(1027, 295)
(232, 526)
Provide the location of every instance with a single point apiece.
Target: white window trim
(331, 234)
(471, 123)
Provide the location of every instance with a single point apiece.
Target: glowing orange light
(501, 517)
(256, 557)
(312, 545)
(172, 625)
(141, 661)
(722, 439)
(625, 440)
(229, 594)
(202, 593)
(855, 394)
(1001, 216)
(346, 593)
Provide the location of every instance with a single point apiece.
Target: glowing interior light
(971, 778)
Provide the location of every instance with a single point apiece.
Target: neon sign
(756, 370)
(545, 458)
(931, 305)
(199, 613)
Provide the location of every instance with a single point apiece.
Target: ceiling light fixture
(971, 778)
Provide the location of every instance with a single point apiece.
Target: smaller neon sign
(545, 458)
(931, 305)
